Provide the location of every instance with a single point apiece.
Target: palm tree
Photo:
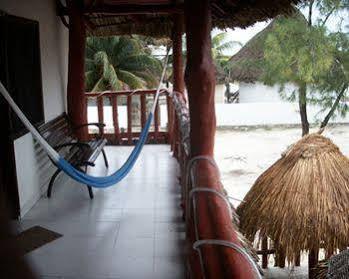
(220, 45)
(119, 63)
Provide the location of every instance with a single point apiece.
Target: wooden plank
(266, 252)
(123, 92)
(129, 119)
(123, 138)
(114, 102)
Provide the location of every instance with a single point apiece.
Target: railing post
(170, 113)
(280, 257)
(156, 122)
(143, 110)
(265, 252)
(313, 259)
(114, 102)
(100, 108)
(129, 119)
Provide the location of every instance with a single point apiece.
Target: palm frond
(113, 79)
(133, 81)
(99, 86)
(218, 39)
(141, 62)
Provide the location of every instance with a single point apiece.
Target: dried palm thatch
(302, 201)
(154, 17)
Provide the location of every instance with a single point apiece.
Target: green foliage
(333, 82)
(220, 45)
(296, 53)
(118, 63)
(308, 56)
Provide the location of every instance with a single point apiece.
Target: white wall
(258, 92)
(54, 53)
(267, 113)
(219, 93)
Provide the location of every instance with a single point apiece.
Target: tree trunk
(333, 108)
(302, 101)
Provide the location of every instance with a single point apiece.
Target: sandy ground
(243, 155)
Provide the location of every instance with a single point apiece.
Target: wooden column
(213, 217)
(76, 101)
(178, 78)
(200, 77)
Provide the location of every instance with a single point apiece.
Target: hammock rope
(66, 167)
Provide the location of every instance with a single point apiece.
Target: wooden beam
(122, 10)
(76, 101)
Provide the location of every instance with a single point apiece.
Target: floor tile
(132, 230)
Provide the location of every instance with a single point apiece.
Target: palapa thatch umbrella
(302, 201)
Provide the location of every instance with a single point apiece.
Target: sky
(241, 35)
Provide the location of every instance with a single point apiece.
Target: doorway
(20, 72)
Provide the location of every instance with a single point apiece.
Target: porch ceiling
(153, 17)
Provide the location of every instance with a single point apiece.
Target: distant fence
(125, 112)
(241, 114)
(273, 113)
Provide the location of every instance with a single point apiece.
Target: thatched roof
(153, 17)
(302, 201)
(243, 64)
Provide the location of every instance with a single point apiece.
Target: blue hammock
(104, 182)
(97, 182)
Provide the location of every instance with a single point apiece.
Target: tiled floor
(130, 231)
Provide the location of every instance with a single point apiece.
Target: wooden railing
(210, 224)
(118, 135)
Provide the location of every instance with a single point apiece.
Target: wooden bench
(60, 134)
